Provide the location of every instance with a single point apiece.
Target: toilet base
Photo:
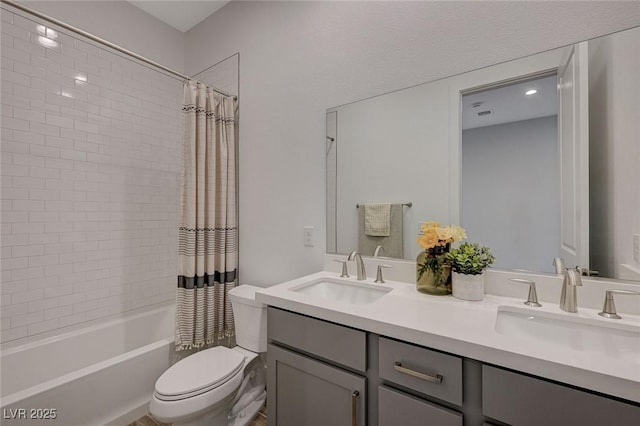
(249, 413)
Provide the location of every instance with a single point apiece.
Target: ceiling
(180, 14)
(507, 104)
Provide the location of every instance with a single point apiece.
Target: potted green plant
(468, 263)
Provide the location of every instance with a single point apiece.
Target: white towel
(393, 244)
(377, 219)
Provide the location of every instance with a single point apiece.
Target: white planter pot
(468, 287)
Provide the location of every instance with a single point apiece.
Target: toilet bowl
(219, 386)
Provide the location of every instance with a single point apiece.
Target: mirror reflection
(534, 176)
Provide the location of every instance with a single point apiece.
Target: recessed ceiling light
(531, 92)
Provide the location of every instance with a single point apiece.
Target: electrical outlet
(308, 236)
(636, 247)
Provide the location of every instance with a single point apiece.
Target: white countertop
(468, 329)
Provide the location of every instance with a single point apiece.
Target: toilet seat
(199, 373)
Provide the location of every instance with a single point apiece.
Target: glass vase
(433, 272)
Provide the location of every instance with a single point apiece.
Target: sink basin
(343, 291)
(583, 334)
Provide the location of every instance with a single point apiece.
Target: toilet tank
(250, 318)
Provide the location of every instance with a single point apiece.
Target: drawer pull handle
(354, 408)
(434, 379)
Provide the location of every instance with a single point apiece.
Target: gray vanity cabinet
(322, 373)
(315, 372)
(311, 393)
(518, 399)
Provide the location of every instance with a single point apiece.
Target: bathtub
(102, 374)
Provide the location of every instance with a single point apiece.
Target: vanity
(384, 354)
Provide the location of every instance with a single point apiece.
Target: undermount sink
(342, 290)
(578, 333)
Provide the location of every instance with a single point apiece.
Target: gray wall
(510, 181)
(299, 58)
(121, 23)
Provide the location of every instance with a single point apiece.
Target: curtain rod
(102, 41)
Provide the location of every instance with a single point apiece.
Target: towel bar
(409, 204)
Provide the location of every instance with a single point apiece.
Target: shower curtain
(208, 233)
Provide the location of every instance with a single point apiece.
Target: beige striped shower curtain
(208, 233)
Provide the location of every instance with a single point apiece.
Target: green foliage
(470, 259)
(436, 265)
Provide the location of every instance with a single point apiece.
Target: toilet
(219, 386)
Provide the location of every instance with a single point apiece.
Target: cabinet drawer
(336, 343)
(522, 400)
(396, 408)
(418, 369)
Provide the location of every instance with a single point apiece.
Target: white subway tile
(15, 194)
(55, 120)
(41, 238)
(72, 319)
(26, 319)
(59, 142)
(57, 312)
(43, 195)
(42, 304)
(29, 70)
(50, 259)
(13, 334)
(45, 129)
(14, 147)
(43, 326)
(28, 205)
(14, 262)
(63, 293)
(21, 181)
(26, 228)
(14, 240)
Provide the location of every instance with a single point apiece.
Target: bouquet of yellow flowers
(436, 235)
(433, 269)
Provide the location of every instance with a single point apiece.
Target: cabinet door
(396, 408)
(303, 391)
(521, 400)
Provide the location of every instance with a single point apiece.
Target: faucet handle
(558, 264)
(379, 274)
(345, 271)
(609, 307)
(532, 299)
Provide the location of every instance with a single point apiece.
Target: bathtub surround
(208, 233)
(90, 180)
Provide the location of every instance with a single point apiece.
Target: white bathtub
(102, 374)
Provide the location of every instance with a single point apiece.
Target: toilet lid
(199, 373)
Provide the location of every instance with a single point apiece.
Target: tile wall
(90, 180)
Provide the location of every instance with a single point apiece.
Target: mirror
(413, 146)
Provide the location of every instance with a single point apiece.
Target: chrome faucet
(377, 251)
(568, 297)
(362, 273)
